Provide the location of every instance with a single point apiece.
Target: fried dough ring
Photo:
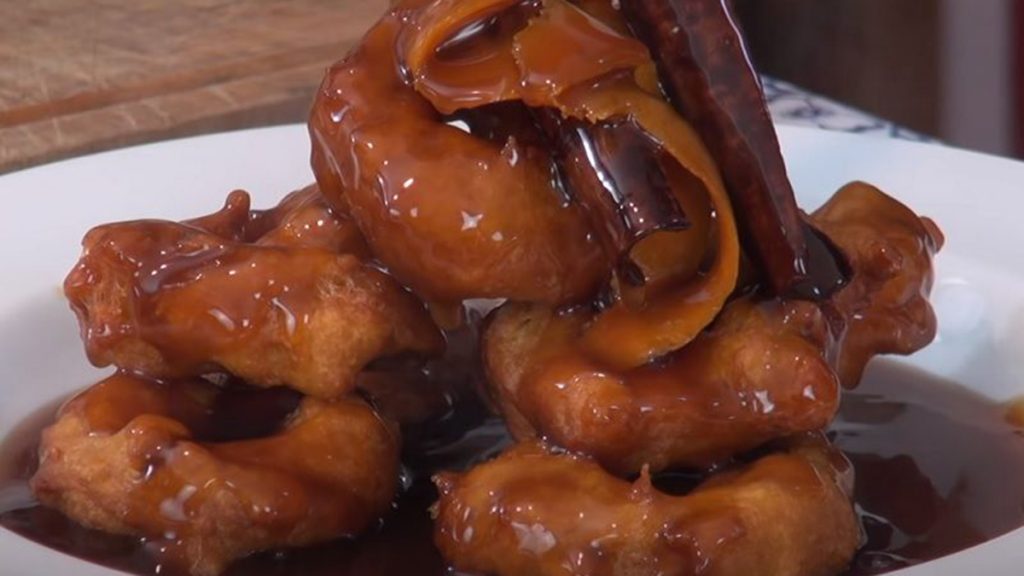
(359, 157)
(263, 296)
(533, 512)
(122, 458)
(759, 373)
(304, 219)
(763, 370)
(453, 216)
(582, 84)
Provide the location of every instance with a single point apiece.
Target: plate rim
(1006, 551)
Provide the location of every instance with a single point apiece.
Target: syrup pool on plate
(939, 469)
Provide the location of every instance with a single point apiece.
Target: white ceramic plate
(978, 201)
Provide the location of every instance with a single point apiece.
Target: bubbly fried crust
(261, 295)
(122, 458)
(763, 369)
(758, 374)
(531, 512)
(891, 249)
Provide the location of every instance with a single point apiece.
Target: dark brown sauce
(613, 170)
(939, 469)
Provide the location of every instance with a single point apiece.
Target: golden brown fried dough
(276, 308)
(497, 223)
(763, 369)
(123, 457)
(303, 218)
(891, 250)
(758, 373)
(406, 396)
(453, 215)
(533, 513)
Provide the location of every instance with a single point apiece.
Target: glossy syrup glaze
(938, 468)
(594, 80)
(210, 473)
(271, 296)
(758, 375)
(488, 230)
(479, 215)
(707, 74)
(535, 512)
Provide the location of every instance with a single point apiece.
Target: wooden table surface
(80, 76)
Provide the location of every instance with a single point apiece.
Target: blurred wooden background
(949, 68)
(79, 76)
(879, 55)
